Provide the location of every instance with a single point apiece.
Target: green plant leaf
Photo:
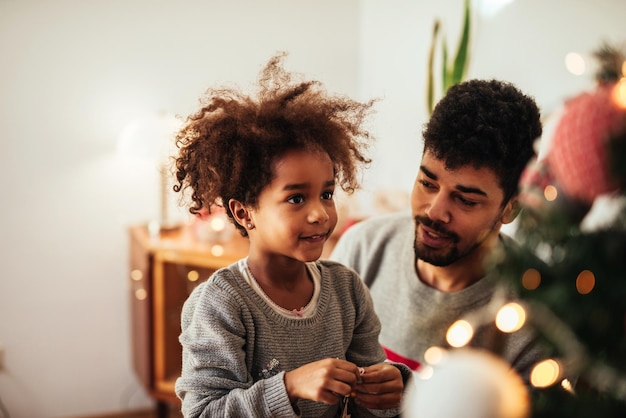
(430, 93)
(445, 74)
(462, 53)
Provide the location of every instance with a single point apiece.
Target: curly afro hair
(485, 123)
(228, 148)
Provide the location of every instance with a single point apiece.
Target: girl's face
(296, 212)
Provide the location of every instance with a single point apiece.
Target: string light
(575, 63)
(510, 318)
(141, 294)
(434, 355)
(619, 92)
(545, 373)
(217, 250)
(567, 385)
(218, 224)
(550, 193)
(426, 372)
(531, 279)
(585, 282)
(193, 275)
(460, 333)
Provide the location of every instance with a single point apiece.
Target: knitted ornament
(577, 158)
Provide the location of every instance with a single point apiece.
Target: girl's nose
(318, 214)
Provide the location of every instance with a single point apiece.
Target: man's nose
(438, 209)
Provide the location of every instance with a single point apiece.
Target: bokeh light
(531, 279)
(575, 63)
(141, 294)
(459, 333)
(193, 275)
(585, 282)
(510, 318)
(550, 193)
(217, 250)
(434, 355)
(426, 372)
(567, 385)
(545, 373)
(619, 93)
(136, 274)
(218, 224)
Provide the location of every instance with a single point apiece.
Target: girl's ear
(511, 210)
(240, 213)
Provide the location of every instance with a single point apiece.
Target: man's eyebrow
(428, 173)
(472, 190)
(459, 187)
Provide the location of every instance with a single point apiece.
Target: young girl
(280, 333)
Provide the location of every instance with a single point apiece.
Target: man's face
(456, 212)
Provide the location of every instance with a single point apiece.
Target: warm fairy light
(550, 193)
(217, 250)
(624, 69)
(426, 372)
(585, 282)
(434, 355)
(545, 373)
(619, 92)
(141, 294)
(460, 333)
(531, 279)
(136, 275)
(193, 275)
(510, 317)
(567, 385)
(575, 63)
(218, 224)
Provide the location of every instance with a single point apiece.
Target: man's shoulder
(364, 245)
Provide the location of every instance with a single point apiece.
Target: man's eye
(465, 202)
(327, 195)
(297, 199)
(427, 184)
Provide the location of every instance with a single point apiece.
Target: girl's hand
(380, 388)
(324, 381)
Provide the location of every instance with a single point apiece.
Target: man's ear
(240, 212)
(511, 210)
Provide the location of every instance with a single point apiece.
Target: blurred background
(75, 75)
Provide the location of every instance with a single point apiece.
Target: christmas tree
(570, 269)
(569, 272)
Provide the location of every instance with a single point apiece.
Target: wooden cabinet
(164, 269)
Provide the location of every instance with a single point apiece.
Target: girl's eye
(327, 195)
(297, 199)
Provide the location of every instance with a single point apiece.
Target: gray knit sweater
(236, 348)
(413, 315)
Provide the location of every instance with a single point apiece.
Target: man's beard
(437, 257)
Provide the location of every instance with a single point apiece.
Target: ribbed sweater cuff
(277, 398)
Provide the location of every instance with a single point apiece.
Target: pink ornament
(577, 158)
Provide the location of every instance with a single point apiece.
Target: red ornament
(577, 157)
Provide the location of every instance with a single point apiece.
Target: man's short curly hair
(485, 123)
(228, 148)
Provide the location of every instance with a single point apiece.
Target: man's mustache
(437, 227)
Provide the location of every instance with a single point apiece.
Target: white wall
(525, 43)
(74, 73)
